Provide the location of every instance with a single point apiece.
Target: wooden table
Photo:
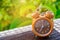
(25, 33)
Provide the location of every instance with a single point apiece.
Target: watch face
(42, 26)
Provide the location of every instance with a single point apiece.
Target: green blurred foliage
(17, 13)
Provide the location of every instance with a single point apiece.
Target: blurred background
(17, 13)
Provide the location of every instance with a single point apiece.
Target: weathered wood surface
(25, 33)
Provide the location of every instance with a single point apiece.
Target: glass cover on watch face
(42, 26)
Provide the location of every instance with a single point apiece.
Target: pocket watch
(42, 24)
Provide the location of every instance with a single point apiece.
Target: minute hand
(41, 27)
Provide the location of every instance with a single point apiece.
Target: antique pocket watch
(42, 24)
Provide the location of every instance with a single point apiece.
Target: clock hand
(41, 28)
